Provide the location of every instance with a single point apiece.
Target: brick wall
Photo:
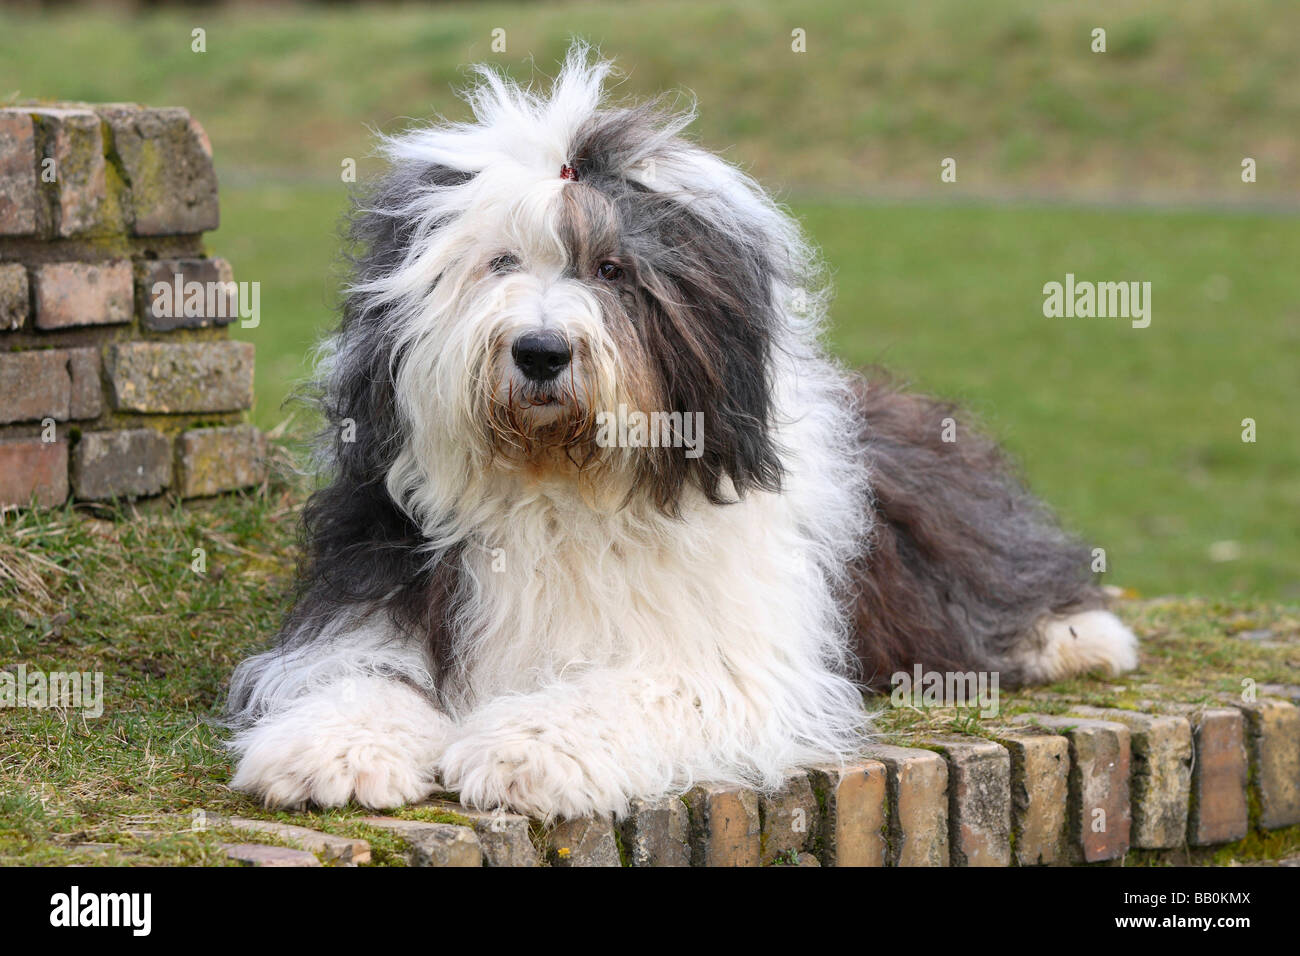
(107, 387)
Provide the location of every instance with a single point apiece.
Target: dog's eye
(609, 271)
(504, 263)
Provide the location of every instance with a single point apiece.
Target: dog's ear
(387, 220)
(708, 318)
(359, 546)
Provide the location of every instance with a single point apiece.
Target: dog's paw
(1087, 641)
(373, 741)
(524, 770)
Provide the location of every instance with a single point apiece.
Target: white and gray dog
(505, 597)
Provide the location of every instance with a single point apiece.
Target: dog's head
(553, 268)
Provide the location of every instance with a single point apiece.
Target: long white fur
(605, 653)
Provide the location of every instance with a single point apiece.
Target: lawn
(1133, 434)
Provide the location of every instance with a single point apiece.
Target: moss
(624, 854)
(432, 815)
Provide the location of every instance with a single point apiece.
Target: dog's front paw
(375, 742)
(523, 769)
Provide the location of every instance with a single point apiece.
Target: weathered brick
(918, 805)
(1219, 811)
(18, 195)
(1099, 814)
(213, 460)
(259, 854)
(122, 464)
(29, 466)
(585, 841)
(979, 801)
(504, 837)
(725, 828)
(72, 137)
(1161, 779)
(1040, 790)
(13, 296)
(1273, 743)
(87, 398)
(433, 844)
(853, 819)
(788, 819)
(180, 377)
(657, 833)
(326, 846)
(167, 159)
(34, 385)
(185, 293)
(82, 293)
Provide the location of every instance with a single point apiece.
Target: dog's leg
(967, 569)
(570, 749)
(589, 744)
(1094, 640)
(345, 717)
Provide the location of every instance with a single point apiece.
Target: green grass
(885, 90)
(1134, 435)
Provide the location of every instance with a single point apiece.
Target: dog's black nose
(541, 355)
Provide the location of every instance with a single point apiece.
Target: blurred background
(1115, 166)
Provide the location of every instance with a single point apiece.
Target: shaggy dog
(603, 518)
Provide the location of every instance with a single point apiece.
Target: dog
(603, 519)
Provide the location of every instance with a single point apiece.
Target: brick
(788, 819)
(35, 385)
(1040, 790)
(185, 294)
(979, 802)
(504, 837)
(87, 397)
(325, 846)
(433, 844)
(917, 795)
(213, 460)
(121, 464)
(585, 841)
(13, 296)
(72, 137)
(167, 160)
(657, 833)
(82, 293)
(1219, 811)
(853, 816)
(1273, 743)
(259, 854)
(29, 466)
(188, 377)
(725, 828)
(1099, 815)
(1289, 692)
(18, 195)
(1161, 780)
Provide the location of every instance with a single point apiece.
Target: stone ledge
(1026, 797)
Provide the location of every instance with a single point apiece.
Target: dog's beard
(541, 422)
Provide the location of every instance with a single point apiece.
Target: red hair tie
(568, 172)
